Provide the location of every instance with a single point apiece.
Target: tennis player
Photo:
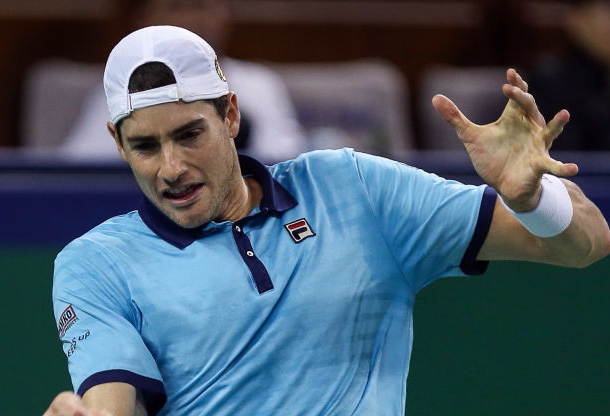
(243, 289)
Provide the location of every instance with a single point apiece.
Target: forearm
(585, 240)
(110, 399)
(120, 399)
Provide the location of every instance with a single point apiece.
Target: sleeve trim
(152, 390)
(469, 264)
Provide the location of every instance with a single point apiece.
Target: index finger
(514, 78)
(525, 101)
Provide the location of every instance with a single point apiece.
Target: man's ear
(233, 117)
(112, 129)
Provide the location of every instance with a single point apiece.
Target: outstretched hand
(512, 153)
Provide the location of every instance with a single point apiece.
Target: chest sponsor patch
(66, 320)
(299, 230)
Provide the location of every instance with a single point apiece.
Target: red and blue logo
(299, 230)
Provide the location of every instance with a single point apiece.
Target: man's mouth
(183, 194)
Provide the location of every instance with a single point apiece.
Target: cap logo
(219, 71)
(299, 230)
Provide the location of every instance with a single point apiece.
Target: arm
(511, 155)
(584, 241)
(109, 399)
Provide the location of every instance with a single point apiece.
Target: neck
(251, 194)
(255, 193)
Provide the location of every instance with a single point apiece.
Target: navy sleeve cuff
(469, 264)
(151, 390)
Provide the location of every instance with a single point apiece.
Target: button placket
(257, 268)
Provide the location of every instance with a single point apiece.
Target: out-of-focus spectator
(578, 79)
(270, 130)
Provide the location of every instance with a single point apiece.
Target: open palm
(512, 153)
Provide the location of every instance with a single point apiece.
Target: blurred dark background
(410, 34)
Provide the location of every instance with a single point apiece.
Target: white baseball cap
(191, 59)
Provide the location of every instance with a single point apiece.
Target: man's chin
(187, 222)
(189, 216)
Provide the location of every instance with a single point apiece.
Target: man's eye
(190, 135)
(143, 146)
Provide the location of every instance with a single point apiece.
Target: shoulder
(316, 162)
(99, 261)
(115, 233)
(348, 168)
(324, 162)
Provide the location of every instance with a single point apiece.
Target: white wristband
(553, 213)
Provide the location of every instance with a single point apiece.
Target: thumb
(450, 113)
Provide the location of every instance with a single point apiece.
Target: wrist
(552, 214)
(522, 205)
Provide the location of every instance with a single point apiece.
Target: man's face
(183, 158)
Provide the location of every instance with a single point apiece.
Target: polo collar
(275, 199)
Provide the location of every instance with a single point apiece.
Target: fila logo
(299, 230)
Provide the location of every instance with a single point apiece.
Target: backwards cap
(191, 59)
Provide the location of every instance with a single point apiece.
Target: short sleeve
(434, 226)
(98, 326)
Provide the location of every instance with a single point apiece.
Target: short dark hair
(156, 74)
(150, 75)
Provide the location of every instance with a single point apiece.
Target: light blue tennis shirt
(302, 308)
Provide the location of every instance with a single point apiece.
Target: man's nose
(172, 164)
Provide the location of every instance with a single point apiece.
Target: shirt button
(238, 229)
(249, 253)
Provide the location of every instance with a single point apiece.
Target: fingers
(555, 126)
(525, 102)
(517, 90)
(513, 77)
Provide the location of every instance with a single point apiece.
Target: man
(241, 289)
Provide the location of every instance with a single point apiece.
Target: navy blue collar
(275, 199)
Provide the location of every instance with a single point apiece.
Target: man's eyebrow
(140, 138)
(197, 123)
